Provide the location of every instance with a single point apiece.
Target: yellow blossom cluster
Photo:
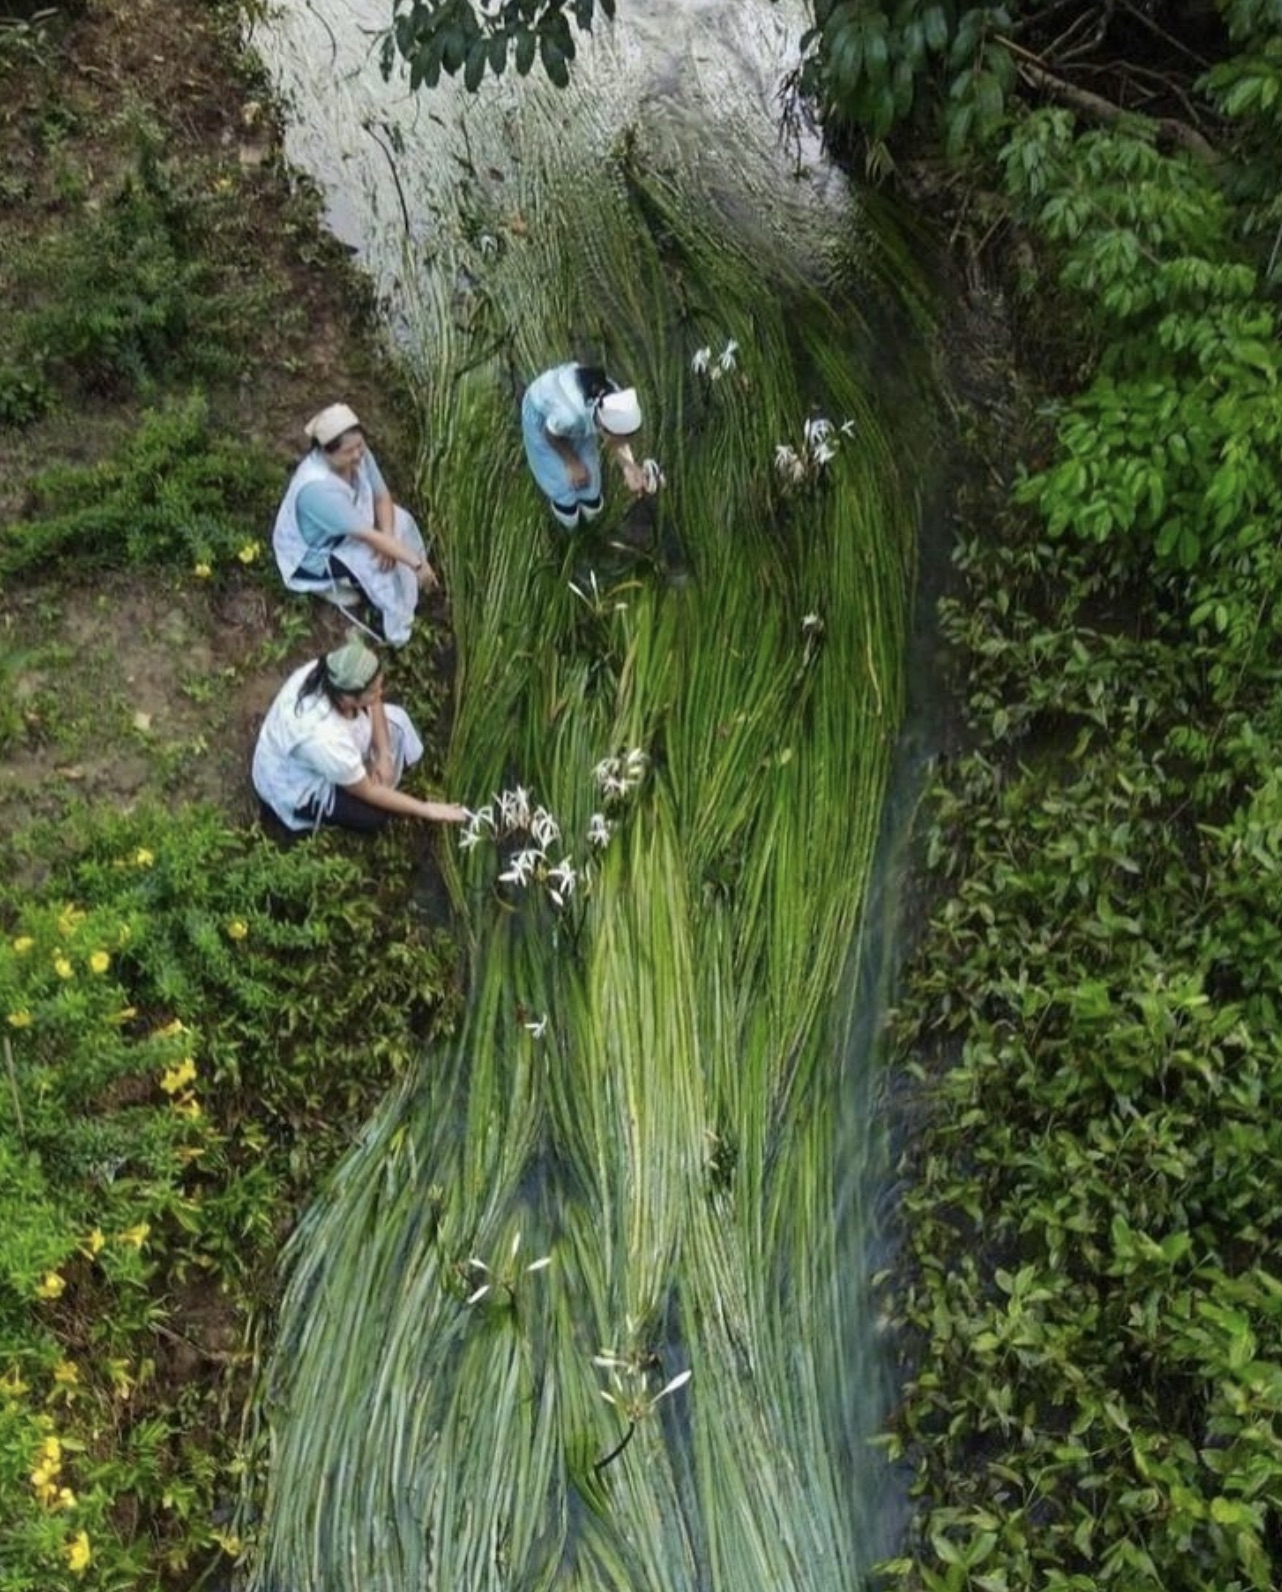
(46, 1474)
(78, 1553)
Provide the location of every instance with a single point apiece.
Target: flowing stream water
(666, 1086)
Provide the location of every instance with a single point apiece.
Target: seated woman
(566, 414)
(338, 522)
(330, 752)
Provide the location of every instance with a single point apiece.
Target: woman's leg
(347, 812)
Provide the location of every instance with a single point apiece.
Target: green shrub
(124, 296)
(178, 492)
(194, 1021)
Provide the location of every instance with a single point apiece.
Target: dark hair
(318, 679)
(335, 443)
(593, 382)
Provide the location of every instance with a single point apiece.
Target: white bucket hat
(619, 412)
(331, 423)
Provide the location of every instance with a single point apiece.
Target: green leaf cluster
(1095, 1291)
(457, 36)
(186, 1047)
(176, 492)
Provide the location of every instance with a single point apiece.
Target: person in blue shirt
(567, 415)
(338, 521)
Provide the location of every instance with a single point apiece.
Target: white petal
(480, 1293)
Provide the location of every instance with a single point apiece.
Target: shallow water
(427, 189)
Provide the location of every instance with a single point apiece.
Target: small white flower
(544, 828)
(812, 622)
(671, 1387)
(539, 1027)
(599, 830)
(488, 245)
(847, 428)
(702, 359)
(822, 452)
(788, 464)
(606, 769)
(468, 838)
(635, 762)
(816, 430)
(563, 878)
(522, 867)
(726, 361)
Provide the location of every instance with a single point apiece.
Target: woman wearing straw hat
(567, 413)
(338, 522)
(331, 752)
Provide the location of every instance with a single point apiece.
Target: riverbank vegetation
(1092, 1277)
(184, 1048)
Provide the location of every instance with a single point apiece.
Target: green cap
(352, 666)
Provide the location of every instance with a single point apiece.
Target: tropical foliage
(1092, 1280)
(181, 1059)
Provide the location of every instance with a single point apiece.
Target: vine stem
(616, 1451)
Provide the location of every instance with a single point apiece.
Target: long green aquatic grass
(677, 1139)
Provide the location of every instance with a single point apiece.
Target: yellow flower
(202, 572)
(66, 1498)
(123, 1015)
(51, 1286)
(249, 552)
(99, 962)
(23, 944)
(143, 857)
(93, 1244)
(69, 918)
(12, 1385)
(188, 1108)
(63, 968)
(136, 1235)
(237, 929)
(20, 1019)
(169, 1030)
(178, 1077)
(66, 1371)
(78, 1553)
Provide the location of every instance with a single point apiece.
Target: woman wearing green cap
(331, 752)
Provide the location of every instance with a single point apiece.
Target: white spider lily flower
(812, 622)
(606, 769)
(599, 830)
(635, 763)
(817, 429)
(562, 879)
(544, 828)
(726, 360)
(671, 1387)
(847, 428)
(522, 867)
(822, 451)
(702, 359)
(789, 464)
(538, 1027)
(468, 838)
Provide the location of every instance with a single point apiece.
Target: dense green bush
(188, 1030)
(124, 295)
(177, 492)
